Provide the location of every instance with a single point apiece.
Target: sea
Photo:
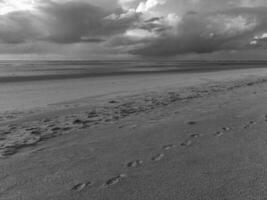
(24, 71)
(29, 84)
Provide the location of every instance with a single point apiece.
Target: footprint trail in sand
(80, 186)
(157, 157)
(115, 180)
(168, 147)
(135, 163)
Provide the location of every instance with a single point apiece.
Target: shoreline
(39, 125)
(23, 97)
(210, 136)
(33, 71)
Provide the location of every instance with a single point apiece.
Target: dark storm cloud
(206, 33)
(153, 19)
(136, 27)
(17, 27)
(68, 22)
(73, 21)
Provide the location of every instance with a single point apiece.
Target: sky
(129, 29)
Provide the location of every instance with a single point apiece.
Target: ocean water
(17, 71)
(30, 84)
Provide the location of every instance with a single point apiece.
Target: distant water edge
(15, 71)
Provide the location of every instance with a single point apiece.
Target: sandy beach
(133, 100)
(161, 136)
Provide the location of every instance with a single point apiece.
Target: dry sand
(205, 141)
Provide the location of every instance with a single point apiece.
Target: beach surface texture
(138, 137)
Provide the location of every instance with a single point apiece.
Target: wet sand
(203, 139)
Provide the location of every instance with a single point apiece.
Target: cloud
(137, 27)
(67, 22)
(148, 5)
(7, 6)
(261, 37)
(198, 33)
(211, 27)
(259, 40)
(71, 21)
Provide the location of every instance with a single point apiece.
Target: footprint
(80, 186)
(195, 135)
(157, 157)
(191, 123)
(135, 163)
(186, 143)
(168, 147)
(249, 124)
(115, 180)
(218, 133)
(226, 128)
